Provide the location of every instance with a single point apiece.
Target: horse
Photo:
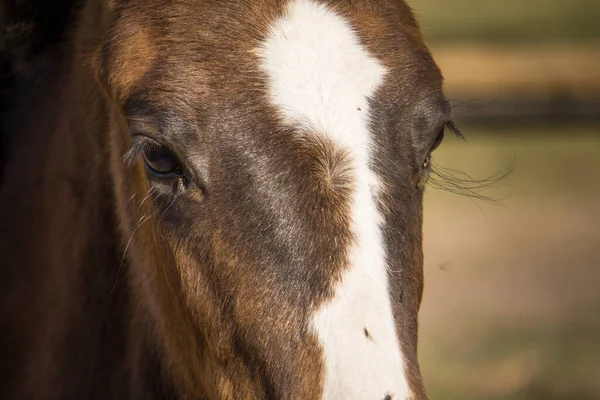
(216, 199)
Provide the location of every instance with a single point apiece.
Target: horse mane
(35, 51)
(29, 32)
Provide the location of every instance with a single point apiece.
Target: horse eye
(436, 143)
(161, 161)
(438, 140)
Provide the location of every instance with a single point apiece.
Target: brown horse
(217, 199)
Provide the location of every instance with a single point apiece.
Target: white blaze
(320, 77)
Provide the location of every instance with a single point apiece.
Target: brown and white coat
(270, 247)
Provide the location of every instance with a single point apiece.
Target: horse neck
(75, 326)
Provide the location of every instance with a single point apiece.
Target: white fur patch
(320, 77)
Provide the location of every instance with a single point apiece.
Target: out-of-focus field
(494, 72)
(519, 58)
(511, 307)
(509, 21)
(512, 300)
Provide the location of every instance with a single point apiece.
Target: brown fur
(115, 287)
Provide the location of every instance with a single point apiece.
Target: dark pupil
(160, 160)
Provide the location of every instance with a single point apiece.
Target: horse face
(286, 146)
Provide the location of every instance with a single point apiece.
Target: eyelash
(139, 144)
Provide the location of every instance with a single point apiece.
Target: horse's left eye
(160, 161)
(436, 143)
(438, 140)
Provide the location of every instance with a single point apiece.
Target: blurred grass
(533, 58)
(509, 21)
(524, 362)
(511, 306)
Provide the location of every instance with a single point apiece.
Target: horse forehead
(205, 44)
(320, 78)
(316, 64)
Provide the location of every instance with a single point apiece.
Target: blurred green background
(511, 307)
(509, 21)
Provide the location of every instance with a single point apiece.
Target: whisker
(143, 219)
(470, 107)
(462, 184)
(138, 225)
(150, 192)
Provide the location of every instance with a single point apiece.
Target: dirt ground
(511, 306)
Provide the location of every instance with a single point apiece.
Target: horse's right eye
(160, 161)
